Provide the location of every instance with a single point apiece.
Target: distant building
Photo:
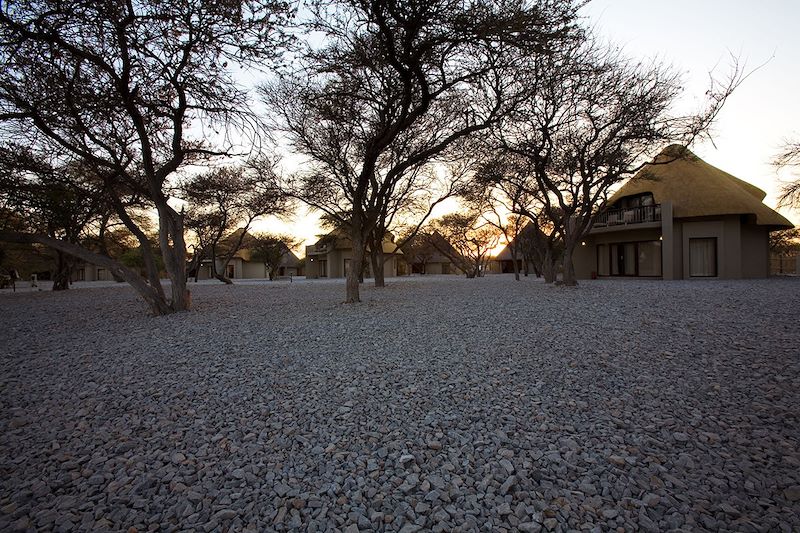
(420, 256)
(243, 266)
(330, 257)
(678, 220)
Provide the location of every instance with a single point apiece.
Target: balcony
(627, 216)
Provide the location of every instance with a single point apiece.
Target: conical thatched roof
(698, 189)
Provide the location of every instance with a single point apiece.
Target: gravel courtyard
(440, 404)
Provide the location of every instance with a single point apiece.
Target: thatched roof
(698, 189)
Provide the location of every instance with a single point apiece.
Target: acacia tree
(418, 250)
(789, 157)
(595, 117)
(466, 239)
(223, 204)
(270, 250)
(504, 203)
(396, 85)
(134, 91)
(511, 179)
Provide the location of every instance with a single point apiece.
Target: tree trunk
(377, 259)
(549, 267)
(63, 272)
(514, 261)
(173, 250)
(356, 263)
(151, 268)
(569, 266)
(220, 276)
(104, 245)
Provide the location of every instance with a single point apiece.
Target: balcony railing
(629, 215)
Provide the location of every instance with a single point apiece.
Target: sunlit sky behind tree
(696, 37)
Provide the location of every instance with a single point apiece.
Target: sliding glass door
(629, 259)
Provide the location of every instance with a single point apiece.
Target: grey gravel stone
(438, 404)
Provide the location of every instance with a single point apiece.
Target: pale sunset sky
(696, 37)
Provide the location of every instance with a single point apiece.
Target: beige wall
(755, 251)
(335, 264)
(252, 270)
(729, 244)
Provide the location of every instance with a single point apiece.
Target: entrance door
(323, 268)
(230, 271)
(703, 257)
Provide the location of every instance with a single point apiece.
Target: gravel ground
(437, 404)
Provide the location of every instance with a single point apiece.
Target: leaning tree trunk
(104, 245)
(63, 272)
(151, 268)
(153, 297)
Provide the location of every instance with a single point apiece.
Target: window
(649, 258)
(703, 257)
(603, 260)
(638, 200)
(629, 259)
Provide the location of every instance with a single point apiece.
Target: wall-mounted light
(583, 243)
(661, 238)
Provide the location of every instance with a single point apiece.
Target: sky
(696, 37)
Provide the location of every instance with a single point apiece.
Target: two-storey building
(680, 218)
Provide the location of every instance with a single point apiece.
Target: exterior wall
(312, 262)
(204, 271)
(335, 264)
(755, 251)
(677, 250)
(86, 272)
(252, 270)
(435, 268)
(441, 267)
(729, 250)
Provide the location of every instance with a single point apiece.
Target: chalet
(330, 257)
(681, 218)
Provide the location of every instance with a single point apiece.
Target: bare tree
(511, 179)
(271, 250)
(396, 85)
(785, 241)
(418, 250)
(594, 118)
(466, 239)
(223, 204)
(789, 157)
(135, 91)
